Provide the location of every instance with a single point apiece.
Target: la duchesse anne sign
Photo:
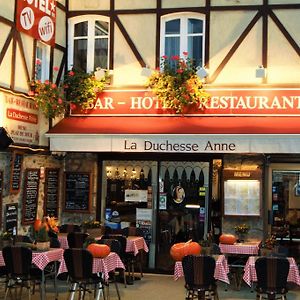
(222, 102)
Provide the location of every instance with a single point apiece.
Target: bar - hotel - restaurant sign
(37, 19)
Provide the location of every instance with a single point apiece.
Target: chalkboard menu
(77, 191)
(30, 195)
(16, 172)
(11, 217)
(1, 190)
(51, 192)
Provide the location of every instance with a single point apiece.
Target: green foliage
(42, 235)
(270, 242)
(243, 228)
(5, 236)
(176, 84)
(91, 224)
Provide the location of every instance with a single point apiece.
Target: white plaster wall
(235, 2)
(89, 4)
(182, 3)
(7, 9)
(131, 4)
(60, 33)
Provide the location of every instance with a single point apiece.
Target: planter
(43, 246)
(94, 232)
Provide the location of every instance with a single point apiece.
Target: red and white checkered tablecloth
(250, 272)
(41, 259)
(136, 243)
(62, 237)
(100, 265)
(250, 248)
(221, 270)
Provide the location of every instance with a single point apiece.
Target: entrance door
(182, 207)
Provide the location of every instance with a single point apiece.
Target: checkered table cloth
(251, 248)
(100, 265)
(62, 237)
(136, 243)
(221, 270)
(41, 259)
(250, 272)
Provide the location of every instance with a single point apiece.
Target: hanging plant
(177, 85)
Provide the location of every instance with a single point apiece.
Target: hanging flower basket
(177, 85)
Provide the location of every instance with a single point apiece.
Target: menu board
(1, 191)
(77, 191)
(11, 218)
(30, 195)
(16, 172)
(51, 192)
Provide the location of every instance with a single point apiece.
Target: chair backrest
(215, 249)
(115, 245)
(54, 242)
(199, 270)
(17, 260)
(76, 239)
(123, 241)
(23, 239)
(66, 228)
(133, 231)
(79, 263)
(272, 272)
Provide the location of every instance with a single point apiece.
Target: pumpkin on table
(179, 250)
(99, 250)
(228, 239)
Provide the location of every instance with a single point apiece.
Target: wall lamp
(260, 72)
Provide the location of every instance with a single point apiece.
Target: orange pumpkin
(179, 250)
(37, 224)
(229, 239)
(98, 250)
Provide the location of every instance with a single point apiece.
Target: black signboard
(77, 191)
(11, 218)
(16, 172)
(30, 195)
(1, 191)
(51, 192)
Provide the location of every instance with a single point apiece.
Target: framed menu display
(11, 217)
(77, 192)
(30, 195)
(242, 193)
(51, 192)
(16, 173)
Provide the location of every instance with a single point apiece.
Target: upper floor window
(42, 56)
(88, 43)
(183, 33)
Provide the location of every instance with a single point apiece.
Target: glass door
(182, 207)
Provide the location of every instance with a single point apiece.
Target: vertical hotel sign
(37, 19)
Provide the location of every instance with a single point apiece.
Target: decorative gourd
(229, 239)
(37, 224)
(179, 250)
(98, 250)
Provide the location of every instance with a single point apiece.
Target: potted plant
(242, 231)
(93, 228)
(267, 247)
(177, 85)
(42, 238)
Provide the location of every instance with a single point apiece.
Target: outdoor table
(247, 248)
(41, 260)
(221, 270)
(100, 265)
(250, 272)
(136, 243)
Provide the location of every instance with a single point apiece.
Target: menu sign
(77, 191)
(51, 192)
(30, 196)
(16, 172)
(37, 18)
(11, 218)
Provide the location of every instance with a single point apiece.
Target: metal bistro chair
(79, 263)
(66, 228)
(199, 277)
(272, 273)
(76, 239)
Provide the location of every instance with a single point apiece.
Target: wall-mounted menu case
(77, 192)
(242, 193)
(16, 173)
(51, 202)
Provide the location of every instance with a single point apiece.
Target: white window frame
(45, 60)
(183, 32)
(90, 39)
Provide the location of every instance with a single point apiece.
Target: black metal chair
(66, 228)
(22, 239)
(115, 246)
(272, 273)
(18, 261)
(76, 239)
(132, 231)
(199, 277)
(79, 263)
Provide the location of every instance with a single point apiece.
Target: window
(88, 43)
(183, 33)
(42, 56)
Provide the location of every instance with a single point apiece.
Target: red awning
(178, 125)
